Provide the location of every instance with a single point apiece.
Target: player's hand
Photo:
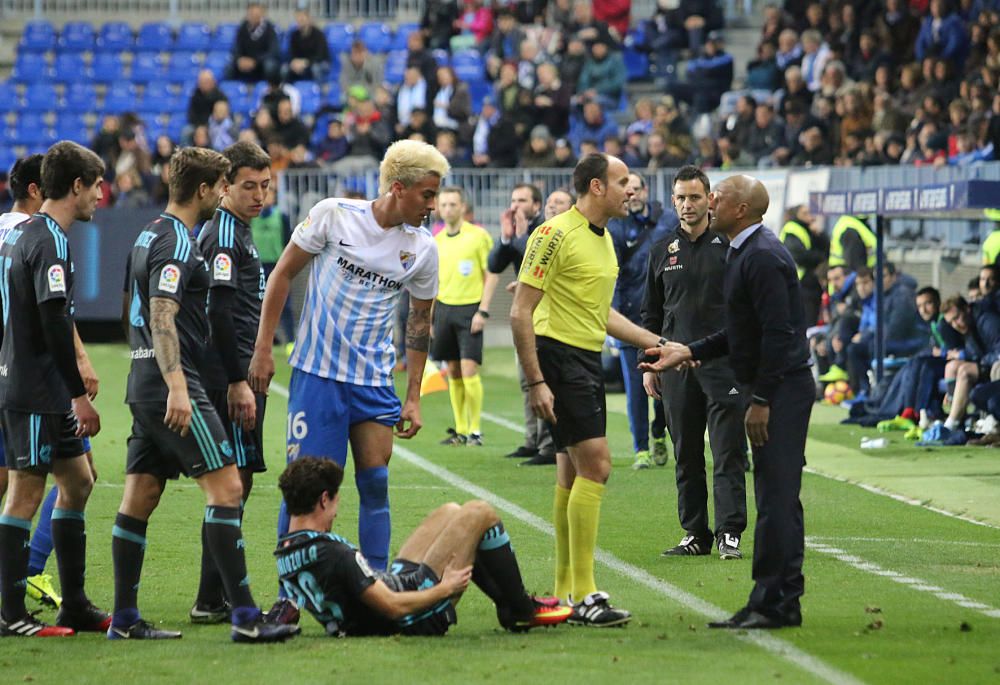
(455, 580)
(88, 421)
(89, 376)
(410, 415)
(542, 402)
(261, 370)
(756, 424)
(651, 382)
(178, 416)
(671, 355)
(478, 323)
(507, 224)
(242, 405)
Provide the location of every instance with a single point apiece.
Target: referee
(764, 336)
(560, 318)
(684, 302)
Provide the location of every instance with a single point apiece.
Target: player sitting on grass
(453, 545)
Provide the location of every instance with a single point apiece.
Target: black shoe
(205, 614)
(690, 546)
(729, 546)
(29, 626)
(456, 440)
(284, 611)
(141, 630)
(540, 460)
(595, 611)
(85, 618)
(522, 452)
(758, 621)
(264, 629)
(733, 621)
(474, 440)
(451, 436)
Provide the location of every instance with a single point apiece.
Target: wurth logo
(539, 272)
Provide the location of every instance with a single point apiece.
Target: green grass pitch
(896, 593)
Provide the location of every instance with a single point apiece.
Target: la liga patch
(222, 268)
(57, 279)
(170, 279)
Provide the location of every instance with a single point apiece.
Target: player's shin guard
(41, 539)
(564, 582)
(496, 555)
(374, 524)
(225, 540)
(473, 401)
(14, 534)
(128, 548)
(584, 513)
(69, 538)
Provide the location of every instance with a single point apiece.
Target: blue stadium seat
(175, 127)
(468, 65)
(8, 97)
(478, 90)
(217, 63)
(40, 97)
(115, 36)
(29, 130)
(376, 36)
(224, 36)
(311, 96)
(441, 57)
(334, 98)
(72, 129)
(238, 95)
(73, 119)
(395, 65)
(339, 37)
(30, 68)
(79, 98)
(403, 32)
(163, 97)
(69, 67)
(195, 37)
(154, 37)
(107, 67)
(76, 36)
(636, 65)
(38, 36)
(147, 66)
(184, 66)
(121, 97)
(7, 158)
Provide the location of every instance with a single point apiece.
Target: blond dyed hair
(408, 161)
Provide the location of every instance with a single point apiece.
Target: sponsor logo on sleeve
(222, 268)
(57, 279)
(170, 279)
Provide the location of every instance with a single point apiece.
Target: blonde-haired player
(362, 255)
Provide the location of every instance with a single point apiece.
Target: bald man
(764, 337)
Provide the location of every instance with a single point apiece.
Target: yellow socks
(456, 391)
(564, 583)
(583, 513)
(473, 401)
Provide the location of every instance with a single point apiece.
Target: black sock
(210, 588)
(484, 581)
(225, 540)
(69, 539)
(128, 547)
(14, 552)
(496, 556)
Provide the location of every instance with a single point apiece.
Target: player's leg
(39, 583)
(727, 437)
(420, 540)
(456, 393)
(444, 347)
(637, 404)
(470, 352)
(24, 494)
(565, 475)
(591, 461)
(371, 446)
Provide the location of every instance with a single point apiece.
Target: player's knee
(448, 509)
(482, 511)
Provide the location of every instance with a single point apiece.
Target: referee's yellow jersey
(462, 264)
(576, 268)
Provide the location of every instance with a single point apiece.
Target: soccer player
(560, 318)
(453, 545)
(235, 292)
(174, 426)
(460, 312)
(362, 255)
(46, 408)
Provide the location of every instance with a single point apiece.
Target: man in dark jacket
(256, 51)
(308, 52)
(203, 99)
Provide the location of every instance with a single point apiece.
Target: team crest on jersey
(222, 267)
(170, 279)
(226, 448)
(57, 279)
(674, 247)
(407, 259)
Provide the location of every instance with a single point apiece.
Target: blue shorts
(321, 412)
(3, 451)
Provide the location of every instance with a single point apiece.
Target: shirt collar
(744, 235)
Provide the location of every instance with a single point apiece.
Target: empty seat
(403, 32)
(183, 67)
(224, 36)
(28, 131)
(311, 96)
(376, 36)
(38, 36)
(115, 36)
(441, 57)
(238, 95)
(79, 98)
(334, 98)
(72, 129)
(154, 37)
(175, 127)
(193, 36)
(107, 67)
(121, 97)
(395, 65)
(30, 68)
(73, 119)
(40, 97)
(69, 67)
(217, 63)
(8, 97)
(147, 66)
(76, 36)
(636, 65)
(478, 90)
(339, 37)
(468, 65)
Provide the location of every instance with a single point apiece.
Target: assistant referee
(560, 318)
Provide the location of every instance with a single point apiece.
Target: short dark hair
(955, 302)
(931, 292)
(973, 283)
(864, 272)
(689, 172)
(25, 171)
(991, 267)
(594, 165)
(245, 154)
(65, 162)
(192, 166)
(536, 194)
(453, 189)
(305, 480)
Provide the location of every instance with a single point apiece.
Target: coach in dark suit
(764, 337)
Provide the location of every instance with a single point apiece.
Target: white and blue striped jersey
(359, 272)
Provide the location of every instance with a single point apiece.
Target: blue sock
(41, 541)
(374, 524)
(245, 615)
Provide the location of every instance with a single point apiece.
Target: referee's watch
(483, 313)
(759, 401)
(661, 342)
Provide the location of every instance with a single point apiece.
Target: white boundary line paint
(767, 642)
(921, 541)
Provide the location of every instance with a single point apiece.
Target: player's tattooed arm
(418, 328)
(163, 329)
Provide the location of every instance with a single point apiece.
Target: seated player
(453, 545)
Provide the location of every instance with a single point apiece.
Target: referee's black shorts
(248, 446)
(453, 336)
(576, 380)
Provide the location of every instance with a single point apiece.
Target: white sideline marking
(922, 541)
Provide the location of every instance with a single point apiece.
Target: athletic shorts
(248, 446)
(410, 575)
(576, 380)
(3, 451)
(33, 441)
(321, 412)
(453, 337)
(156, 450)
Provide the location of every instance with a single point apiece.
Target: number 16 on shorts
(296, 432)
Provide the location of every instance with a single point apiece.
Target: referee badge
(407, 259)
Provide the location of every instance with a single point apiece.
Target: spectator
(420, 127)
(739, 123)
(475, 21)
(334, 146)
(256, 50)
(943, 35)
(453, 105)
(707, 155)
(505, 43)
(540, 152)
(763, 73)
(834, 79)
(815, 55)
(796, 121)
(614, 13)
(814, 19)
(794, 92)
(200, 137)
(495, 143)
(447, 144)
(222, 132)
(105, 142)
(846, 45)
(867, 58)
(277, 91)
(594, 125)
(551, 100)
(360, 68)
(203, 98)
(438, 23)
(508, 91)
(308, 52)
(766, 135)
(660, 157)
(162, 152)
(691, 21)
(855, 115)
(815, 149)
(897, 29)
(572, 62)
(565, 159)
(289, 129)
(263, 126)
(529, 57)
(708, 76)
(907, 97)
(412, 95)
(775, 22)
(128, 191)
(423, 59)
(367, 132)
(603, 77)
(789, 49)
(586, 27)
